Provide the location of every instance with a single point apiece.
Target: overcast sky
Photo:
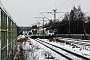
(24, 11)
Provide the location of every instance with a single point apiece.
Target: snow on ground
(44, 53)
(80, 51)
(36, 51)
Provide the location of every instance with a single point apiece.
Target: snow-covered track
(63, 52)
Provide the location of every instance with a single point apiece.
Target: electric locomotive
(34, 34)
(42, 33)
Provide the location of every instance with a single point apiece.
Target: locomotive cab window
(50, 31)
(34, 31)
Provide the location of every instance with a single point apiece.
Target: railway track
(63, 52)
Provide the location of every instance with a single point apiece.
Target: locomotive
(42, 33)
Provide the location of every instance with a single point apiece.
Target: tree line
(74, 22)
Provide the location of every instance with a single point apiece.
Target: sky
(24, 11)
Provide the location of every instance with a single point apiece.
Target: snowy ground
(36, 51)
(77, 50)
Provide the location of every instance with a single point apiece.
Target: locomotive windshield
(50, 31)
(34, 31)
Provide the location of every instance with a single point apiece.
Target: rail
(68, 56)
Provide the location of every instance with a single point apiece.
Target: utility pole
(54, 15)
(69, 28)
(54, 18)
(43, 22)
(84, 25)
(38, 23)
(43, 26)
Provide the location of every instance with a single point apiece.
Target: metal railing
(8, 33)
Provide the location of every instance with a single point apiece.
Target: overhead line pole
(45, 16)
(43, 22)
(54, 15)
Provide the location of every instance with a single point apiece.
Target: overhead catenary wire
(50, 8)
(55, 7)
(61, 17)
(67, 8)
(70, 2)
(67, 4)
(71, 5)
(44, 16)
(52, 5)
(63, 3)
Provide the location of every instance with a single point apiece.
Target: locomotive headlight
(34, 29)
